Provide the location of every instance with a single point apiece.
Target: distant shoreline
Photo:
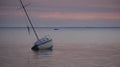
(61, 27)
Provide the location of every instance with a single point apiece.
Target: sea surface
(73, 47)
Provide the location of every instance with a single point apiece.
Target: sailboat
(44, 43)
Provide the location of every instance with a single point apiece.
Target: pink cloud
(75, 15)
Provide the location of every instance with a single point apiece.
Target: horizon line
(62, 27)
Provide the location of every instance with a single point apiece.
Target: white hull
(46, 45)
(43, 43)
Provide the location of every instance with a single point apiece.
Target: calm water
(73, 47)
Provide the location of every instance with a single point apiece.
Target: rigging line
(29, 20)
(28, 28)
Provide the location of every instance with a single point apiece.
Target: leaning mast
(29, 19)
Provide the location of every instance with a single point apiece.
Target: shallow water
(73, 47)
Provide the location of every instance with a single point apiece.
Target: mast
(29, 19)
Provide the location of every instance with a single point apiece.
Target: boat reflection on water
(43, 52)
(41, 58)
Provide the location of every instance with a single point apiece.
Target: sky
(61, 13)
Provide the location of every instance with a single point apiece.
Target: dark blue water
(73, 47)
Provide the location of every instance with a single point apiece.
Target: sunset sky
(57, 13)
